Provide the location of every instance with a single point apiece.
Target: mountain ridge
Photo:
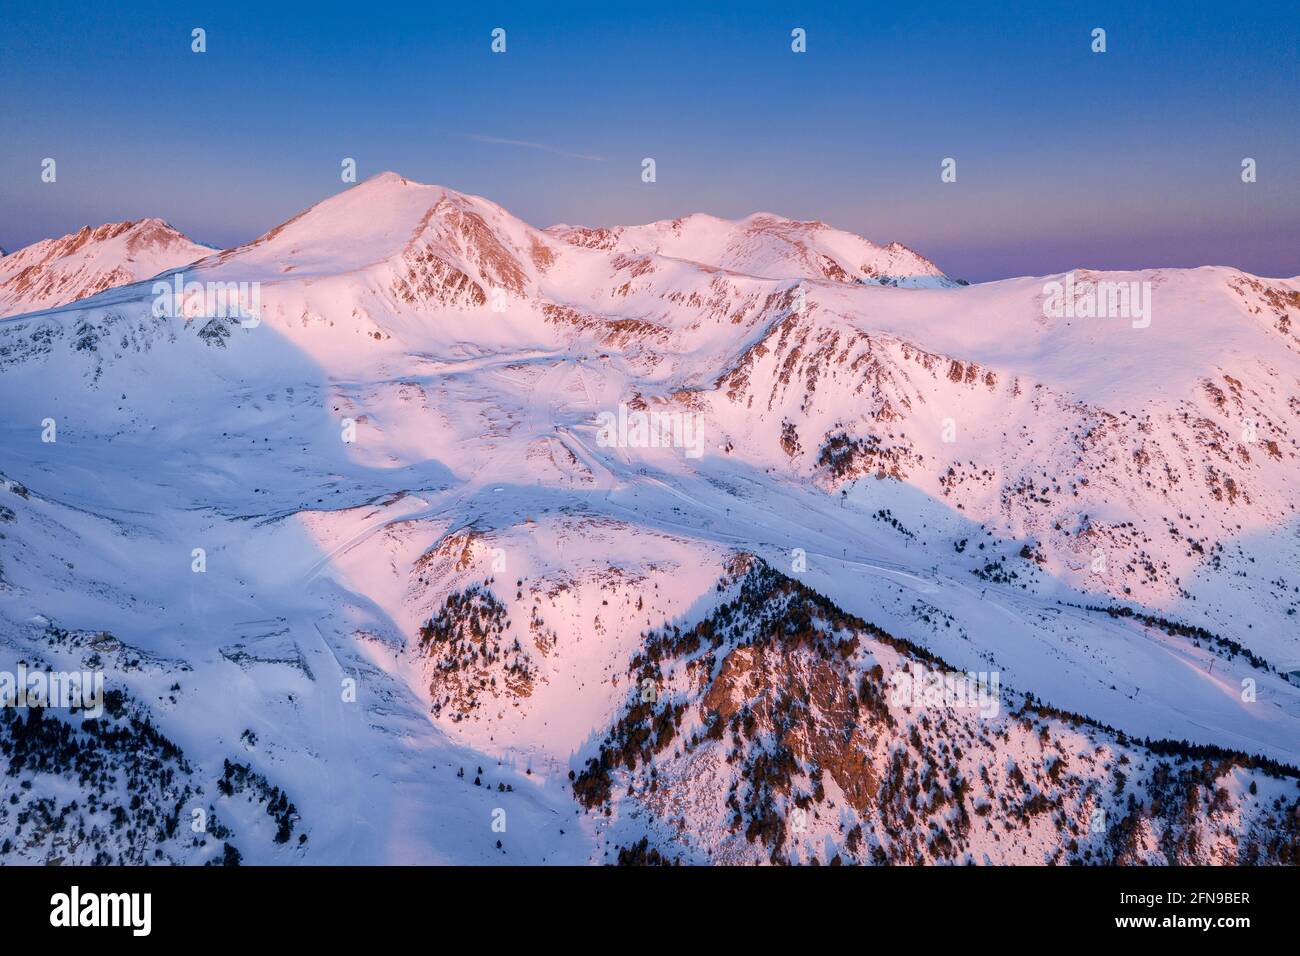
(397, 477)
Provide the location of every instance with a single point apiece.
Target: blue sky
(1065, 158)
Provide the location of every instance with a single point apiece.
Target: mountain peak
(766, 245)
(54, 272)
(388, 178)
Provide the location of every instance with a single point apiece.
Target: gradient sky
(1066, 158)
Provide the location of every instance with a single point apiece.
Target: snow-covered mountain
(54, 272)
(397, 569)
(767, 246)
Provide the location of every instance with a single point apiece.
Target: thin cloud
(499, 140)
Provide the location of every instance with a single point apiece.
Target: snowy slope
(431, 592)
(54, 272)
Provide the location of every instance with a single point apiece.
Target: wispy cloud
(502, 141)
